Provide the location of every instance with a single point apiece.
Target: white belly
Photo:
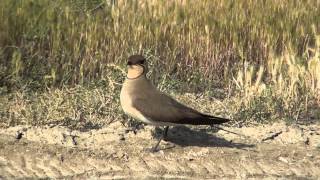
(126, 104)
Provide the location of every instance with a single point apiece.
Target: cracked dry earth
(273, 151)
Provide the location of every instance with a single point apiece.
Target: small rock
(161, 152)
(19, 135)
(307, 141)
(61, 158)
(52, 125)
(309, 155)
(74, 142)
(283, 159)
(122, 138)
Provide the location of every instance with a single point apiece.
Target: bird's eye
(141, 62)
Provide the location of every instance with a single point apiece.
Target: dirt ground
(273, 151)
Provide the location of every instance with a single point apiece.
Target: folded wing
(163, 108)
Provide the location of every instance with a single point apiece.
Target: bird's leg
(164, 136)
(165, 132)
(155, 148)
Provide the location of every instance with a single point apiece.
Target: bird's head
(137, 66)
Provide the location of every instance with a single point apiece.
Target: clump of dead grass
(78, 107)
(287, 88)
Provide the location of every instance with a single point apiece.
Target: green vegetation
(261, 59)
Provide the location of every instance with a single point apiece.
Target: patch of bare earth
(268, 151)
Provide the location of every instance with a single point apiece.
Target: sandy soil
(268, 151)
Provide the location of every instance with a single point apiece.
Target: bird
(141, 100)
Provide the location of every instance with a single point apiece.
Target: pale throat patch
(134, 71)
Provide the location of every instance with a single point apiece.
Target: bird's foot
(166, 146)
(169, 146)
(154, 149)
(151, 150)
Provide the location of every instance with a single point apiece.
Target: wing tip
(217, 120)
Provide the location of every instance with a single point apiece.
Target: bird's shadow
(184, 136)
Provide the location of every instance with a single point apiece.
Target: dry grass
(287, 87)
(259, 58)
(70, 42)
(75, 107)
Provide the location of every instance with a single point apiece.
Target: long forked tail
(217, 120)
(210, 120)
